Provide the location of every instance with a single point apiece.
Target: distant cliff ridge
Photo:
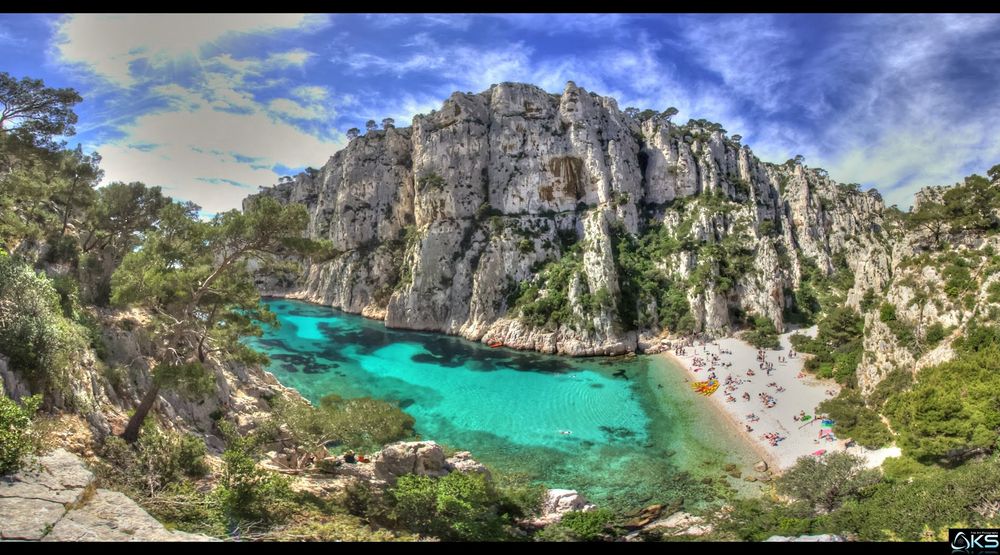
(561, 224)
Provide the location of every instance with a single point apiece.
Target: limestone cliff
(508, 216)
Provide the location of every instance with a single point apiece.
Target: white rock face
(54, 499)
(437, 225)
(558, 502)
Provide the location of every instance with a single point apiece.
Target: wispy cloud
(895, 101)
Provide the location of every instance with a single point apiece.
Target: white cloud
(195, 157)
(294, 110)
(211, 140)
(109, 45)
(311, 93)
(474, 67)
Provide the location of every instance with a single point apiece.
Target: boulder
(54, 499)
(463, 462)
(558, 502)
(644, 518)
(423, 458)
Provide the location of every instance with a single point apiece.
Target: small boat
(495, 343)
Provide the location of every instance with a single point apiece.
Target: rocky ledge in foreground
(56, 499)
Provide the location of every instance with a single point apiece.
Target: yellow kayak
(706, 387)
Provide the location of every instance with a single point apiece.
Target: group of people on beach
(709, 360)
(773, 438)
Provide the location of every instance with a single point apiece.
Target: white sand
(801, 394)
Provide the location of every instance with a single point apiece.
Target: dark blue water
(637, 437)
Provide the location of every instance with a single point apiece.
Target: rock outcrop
(420, 458)
(56, 499)
(516, 193)
(558, 502)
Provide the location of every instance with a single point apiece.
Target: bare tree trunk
(131, 433)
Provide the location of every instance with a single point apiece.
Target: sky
(212, 106)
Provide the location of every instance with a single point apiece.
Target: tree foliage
(39, 341)
(952, 411)
(34, 111)
(16, 440)
(192, 276)
(826, 482)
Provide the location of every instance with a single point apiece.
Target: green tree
(952, 412)
(119, 214)
(828, 481)
(931, 217)
(30, 109)
(192, 276)
(15, 431)
(763, 334)
(855, 420)
(459, 506)
(38, 340)
(247, 492)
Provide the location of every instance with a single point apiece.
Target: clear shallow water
(638, 437)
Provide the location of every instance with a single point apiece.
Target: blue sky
(212, 106)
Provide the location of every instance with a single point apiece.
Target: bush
(887, 312)
(952, 412)
(364, 424)
(16, 438)
(935, 333)
(157, 460)
(868, 300)
(248, 493)
(458, 506)
(763, 334)
(579, 526)
(855, 420)
(39, 341)
(760, 518)
(893, 383)
(826, 482)
(920, 499)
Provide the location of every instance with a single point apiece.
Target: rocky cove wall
(435, 226)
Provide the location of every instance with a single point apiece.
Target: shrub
(247, 492)
(887, 312)
(921, 498)
(826, 482)
(951, 413)
(855, 420)
(458, 506)
(868, 300)
(935, 333)
(39, 341)
(155, 461)
(363, 423)
(893, 383)
(763, 334)
(580, 526)
(16, 437)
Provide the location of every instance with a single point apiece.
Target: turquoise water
(638, 433)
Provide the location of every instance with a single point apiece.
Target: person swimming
(565, 432)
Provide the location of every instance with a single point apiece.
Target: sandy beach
(766, 406)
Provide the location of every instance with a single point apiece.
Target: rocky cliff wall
(439, 226)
